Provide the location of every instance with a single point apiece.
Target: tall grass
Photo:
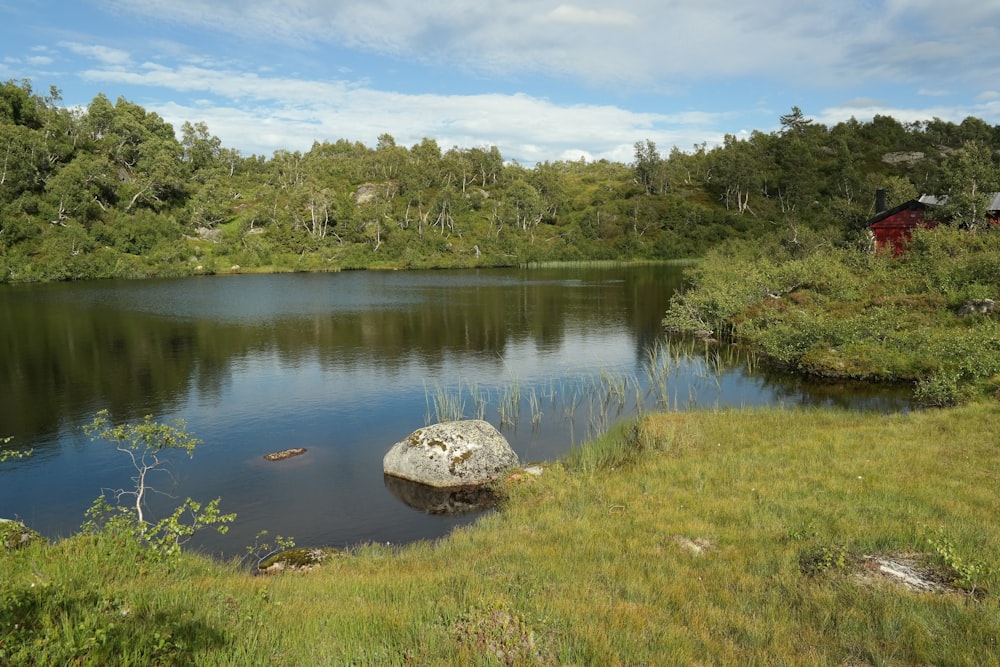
(443, 406)
(606, 263)
(673, 374)
(689, 550)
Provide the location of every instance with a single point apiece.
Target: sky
(543, 80)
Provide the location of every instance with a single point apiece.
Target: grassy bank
(694, 538)
(849, 313)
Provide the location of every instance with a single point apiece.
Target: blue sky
(540, 79)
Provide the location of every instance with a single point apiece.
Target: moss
(300, 558)
(458, 459)
(14, 535)
(464, 456)
(416, 440)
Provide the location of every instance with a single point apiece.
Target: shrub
(842, 312)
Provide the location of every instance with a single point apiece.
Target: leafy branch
(145, 443)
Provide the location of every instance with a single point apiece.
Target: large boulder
(459, 453)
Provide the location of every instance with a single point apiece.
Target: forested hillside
(112, 190)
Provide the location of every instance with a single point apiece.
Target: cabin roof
(924, 201)
(933, 200)
(905, 206)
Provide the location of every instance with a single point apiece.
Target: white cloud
(268, 75)
(260, 114)
(103, 54)
(525, 128)
(686, 39)
(647, 43)
(600, 17)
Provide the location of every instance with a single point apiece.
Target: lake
(344, 365)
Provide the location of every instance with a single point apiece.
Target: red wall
(894, 231)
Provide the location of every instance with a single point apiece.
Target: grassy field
(705, 538)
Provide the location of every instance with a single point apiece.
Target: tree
(649, 168)
(970, 177)
(688, 168)
(739, 172)
(82, 189)
(796, 154)
(146, 443)
(795, 122)
(202, 150)
(19, 105)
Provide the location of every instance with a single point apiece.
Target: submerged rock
(451, 454)
(285, 454)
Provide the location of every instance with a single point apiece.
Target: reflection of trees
(797, 390)
(62, 359)
(710, 360)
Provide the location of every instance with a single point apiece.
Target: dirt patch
(697, 546)
(910, 570)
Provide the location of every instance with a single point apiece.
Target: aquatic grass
(509, 404)
(536, 409)
(591, 403)
(480, 400)
(658, 366)
(443, 405)
(606, 263)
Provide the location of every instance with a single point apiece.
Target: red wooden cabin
(891, 227)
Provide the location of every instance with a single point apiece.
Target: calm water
(344, 365)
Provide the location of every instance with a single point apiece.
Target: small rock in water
(285, 454)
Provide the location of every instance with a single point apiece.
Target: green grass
(678, 540)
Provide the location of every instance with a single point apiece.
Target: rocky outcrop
(451, 454)
(903, 157)
(369, 192)
(982, 306)
(14, 535)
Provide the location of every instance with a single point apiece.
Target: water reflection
(343, 365)
(442, 501)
